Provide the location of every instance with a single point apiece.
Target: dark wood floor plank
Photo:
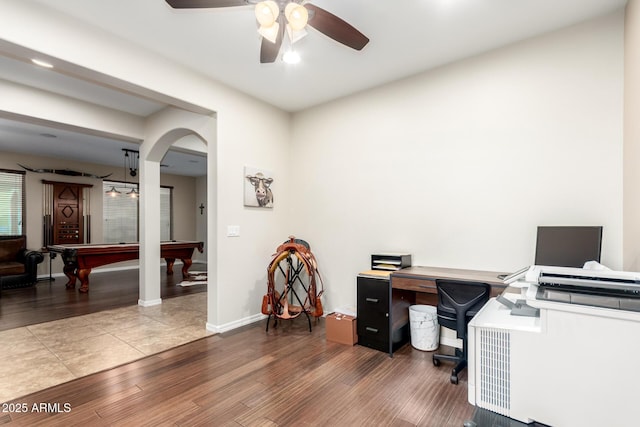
(103, 385)
(285, 377)
(295, 379)
(157, 414)
(86, 414)
(334, 390)
(223, 405)
(47, 301)
(377, 401)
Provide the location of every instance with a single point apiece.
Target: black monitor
(568, 246)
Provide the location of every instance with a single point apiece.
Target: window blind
(12, 201)
(121, 213)
(166, 219)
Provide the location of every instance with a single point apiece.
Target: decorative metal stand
(295, 266)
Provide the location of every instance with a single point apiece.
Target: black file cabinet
(378, 310)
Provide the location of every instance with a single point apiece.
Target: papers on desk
(376, 274)
(389, 267)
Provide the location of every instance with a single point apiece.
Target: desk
(405, 287)
(80, 259)
(423, 279)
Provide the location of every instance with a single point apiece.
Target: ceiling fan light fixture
(267, 12)
(296, 15)
(290, 15)
(270, 33)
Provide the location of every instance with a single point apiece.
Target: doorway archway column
(149, 231)
(162, 129)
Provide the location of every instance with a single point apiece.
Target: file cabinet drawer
(375, 340)
(373, 312)
(373, 296)
(373, 325)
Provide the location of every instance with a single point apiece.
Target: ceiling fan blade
(334, 27)
(269, 51)
(202, 4)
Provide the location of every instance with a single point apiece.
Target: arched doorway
(163, 130)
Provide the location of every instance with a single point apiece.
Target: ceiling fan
(291, 16)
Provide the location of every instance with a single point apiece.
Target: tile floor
(51, 353)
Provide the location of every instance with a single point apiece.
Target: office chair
(458, 302)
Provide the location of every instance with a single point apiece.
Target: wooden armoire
(68, 216)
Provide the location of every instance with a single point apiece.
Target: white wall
(238, 263)
(632, 137)
(243, 260)
(41, 107)
(201, 218)
(458, 166)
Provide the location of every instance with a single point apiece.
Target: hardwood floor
(283, 377)
(247, 377)
(48, 301)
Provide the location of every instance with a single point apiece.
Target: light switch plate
(233, 230)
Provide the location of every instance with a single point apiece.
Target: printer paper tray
(592, 299)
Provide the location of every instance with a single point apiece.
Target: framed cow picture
(258, 187)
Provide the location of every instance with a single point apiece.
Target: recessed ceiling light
(42, 63)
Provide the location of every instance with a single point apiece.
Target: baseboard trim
(45, 277)
(149, 303)
(112, 269)
(219, 329)
(98, 270)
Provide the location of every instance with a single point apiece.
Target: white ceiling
(58, 142)
(407, 37)
(28, 138)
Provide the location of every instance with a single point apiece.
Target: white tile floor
(40, 356)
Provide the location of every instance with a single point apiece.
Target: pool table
(80, 259)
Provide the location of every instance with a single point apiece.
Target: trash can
(425, 331)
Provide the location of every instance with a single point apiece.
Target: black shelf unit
(390, 261)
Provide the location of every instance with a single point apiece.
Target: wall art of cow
(261, 188)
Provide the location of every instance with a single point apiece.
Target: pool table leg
(170, 262)
(186, 264)
(83, 275)
(69, 271)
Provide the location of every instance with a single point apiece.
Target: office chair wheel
(436, 362)
(454, 379)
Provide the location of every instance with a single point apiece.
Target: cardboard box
(341, 328)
